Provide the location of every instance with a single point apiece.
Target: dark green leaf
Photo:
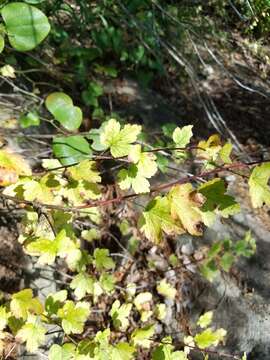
(72, 149)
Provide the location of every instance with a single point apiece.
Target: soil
(12, 258)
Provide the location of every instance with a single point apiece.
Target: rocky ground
(242, 297)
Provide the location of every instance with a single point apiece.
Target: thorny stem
(107, 202)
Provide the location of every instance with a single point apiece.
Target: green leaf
(54, 302)
(157, 219)
(216, 198)
(91, 235)
(119, 314)
(2, 43)
(226, 261)
(205, 320)
(209, 270)
(162, 163)
(30, 119)
(167, 290)
(142, 337)
(245, 247)
(107, 282)
(182, 136)
(165, 351)
(74, 316)
(93, 92)
(72, 149)
(119, 140)
(61, 107)
(82, 284)
(33, 333)
(26, 25)
(214, 250)
(185, 203)
(102, 260)
(259, 189)
(23, 302)
(168, 129)
(209, 338)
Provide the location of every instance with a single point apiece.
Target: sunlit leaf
(209, 338)
(119, 314)
(82, 284)
(123, 351)
(142, 337)
(119, 140)
(102, 260)
(145, 161)
(85, 170)
(23, 302)
(259, 189)
(8, 71)
(182, 136)
(132, 178)
(157, 219)
(74, 316)
(33, 333)
(65, 352)
(4, 315)
(184, 202)
(225, 153)
(205, 319)
(166, 289)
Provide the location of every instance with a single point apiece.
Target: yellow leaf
(11, 167)
(209, 149)
(184, 206)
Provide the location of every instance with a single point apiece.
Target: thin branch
(106, 202)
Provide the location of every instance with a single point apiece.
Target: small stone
(187, 249)
(192, 268)
(186, 260)
(198, 255)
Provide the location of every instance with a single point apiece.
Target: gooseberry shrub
(71, 188)
(90, 186)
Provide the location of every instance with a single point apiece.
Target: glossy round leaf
(61, 107)
(26, 25)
